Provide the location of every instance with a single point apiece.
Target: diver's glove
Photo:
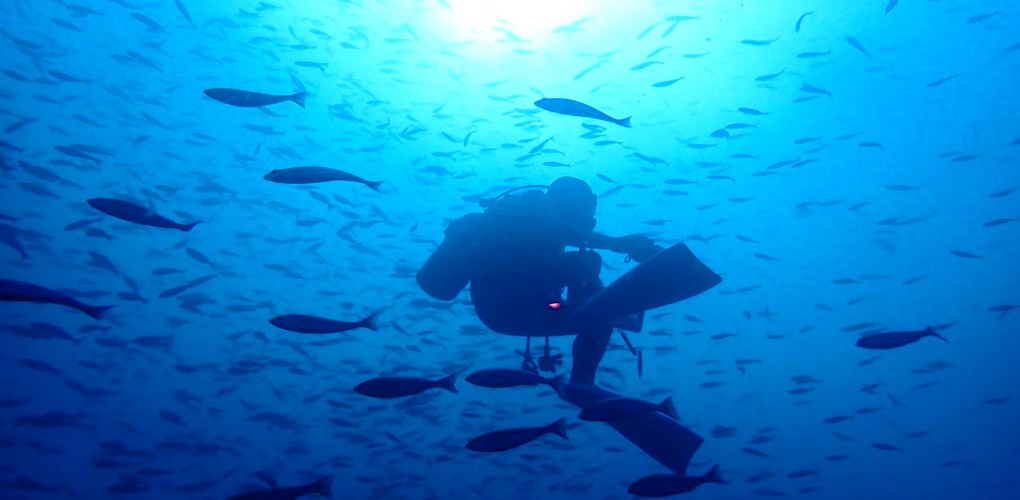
(638, 248)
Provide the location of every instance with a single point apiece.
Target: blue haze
(406, 80)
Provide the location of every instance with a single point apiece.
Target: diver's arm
(603, 242)
(618, 244)
(637, 247)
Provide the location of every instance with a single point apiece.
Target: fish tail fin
(669, 408)
(323, 486)
(96, 311)
(624, 122)
(371, 322)
(714, 476)
(299, 98)
(559, 428)
(374, 185)
(931, 331)
(189, 227)
(448, 381)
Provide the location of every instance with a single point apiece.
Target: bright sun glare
(518, 21)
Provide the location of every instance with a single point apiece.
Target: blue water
(873, 185)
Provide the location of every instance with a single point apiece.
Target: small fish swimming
(940, 81)
(509, 439)
(571, 107)
(398, 387)
(666, 83)
(19, 291)
(892, 340)
(612, 409)
(500, 378)
(315, 175)
(769, 77)
(664, 485)
(801, 20)
(138, 214)
(323, 487)
(302, 323)
(857, 45)
(246, 99)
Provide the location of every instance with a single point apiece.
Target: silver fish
(246, 99)
(19, 291)
(571, 107)
(138, 214)
(892, 340)
(509, 439)
(315, 175)
(323, 487)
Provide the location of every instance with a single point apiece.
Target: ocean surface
(848, 167)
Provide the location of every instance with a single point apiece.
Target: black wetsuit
(522, 270)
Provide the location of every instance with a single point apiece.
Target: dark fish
(940, 81)
(245, 99)
(857, 45)
(769, 77)
(664, 485)
(666, 83)
(961, 253)
(573, 108)
(641, 66)
(807, 87)
(891, 5)
(184, 12)
(302, 323)
(759, 43)
(499, 378)
(315, 175)
(177, 290)
(398, 387)
(512, 438)
(982, 17)
(323, 487)
(801, 19)
(19, 291)
(809, 55)
(756, 452)
(886, 447)
(892, 340)
(752, 111)
(136, 213)
(997, 222)
(651, 159)
(612, 409)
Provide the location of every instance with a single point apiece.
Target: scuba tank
(449, 268)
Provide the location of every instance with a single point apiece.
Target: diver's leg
(589, 347)
(583, 282)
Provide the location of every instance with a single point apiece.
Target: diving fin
(659, 435)
(670, 276)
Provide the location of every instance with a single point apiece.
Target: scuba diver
(514, 257)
